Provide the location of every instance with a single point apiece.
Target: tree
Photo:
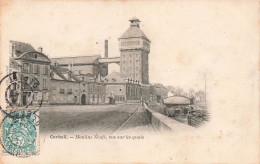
(191, 93)
(171, 89)
(179, 91)
(200, 96)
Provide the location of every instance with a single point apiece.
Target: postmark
(16, 88)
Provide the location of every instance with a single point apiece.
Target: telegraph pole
(205, 76)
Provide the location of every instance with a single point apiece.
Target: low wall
(161, 122)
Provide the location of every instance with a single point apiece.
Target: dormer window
(113, 79)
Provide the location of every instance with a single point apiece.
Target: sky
(188, 38)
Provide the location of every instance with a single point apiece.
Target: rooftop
(134, 31)
(61, 74)
(77, 60)
(177, 100)
(114, 77)
(19, 48)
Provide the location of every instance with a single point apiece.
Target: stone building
(96, 93)
(32, 67)
(134, 48)
(65, 87)
(161, 92)
(121, 88)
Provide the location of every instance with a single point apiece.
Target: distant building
(121, 88)
(31, 66)
(161, 92)
(80, 65)
(134, 48)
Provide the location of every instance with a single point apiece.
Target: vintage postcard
(129, 81)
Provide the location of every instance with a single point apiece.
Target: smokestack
(106, 48)
(40, 49)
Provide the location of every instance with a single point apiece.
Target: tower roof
(134, 31)
(134, 19)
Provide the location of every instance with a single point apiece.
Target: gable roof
(33, 52)
(19, 48)
(77, 60)
(61, 74)
(133, 32)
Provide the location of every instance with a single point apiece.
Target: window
(91, 88)
(99, 89)
(44, 84)
(38, 69)
(34, 68)
(26, 67)
(62, 91)
(35, 96)
(43, 96)
(130, 55)
(44, 70)
(69, 91)
(30, 68)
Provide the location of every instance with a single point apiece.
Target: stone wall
(64, 92)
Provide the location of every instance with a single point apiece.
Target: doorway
(83, 99)
(24, 99)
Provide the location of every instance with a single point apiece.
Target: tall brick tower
(134, 48)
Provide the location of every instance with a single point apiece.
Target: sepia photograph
(129, 81)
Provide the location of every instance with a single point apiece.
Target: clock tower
(134, 48)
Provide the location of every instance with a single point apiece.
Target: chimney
(106, 48)
(40, 49)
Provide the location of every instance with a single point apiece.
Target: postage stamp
(20, 133)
